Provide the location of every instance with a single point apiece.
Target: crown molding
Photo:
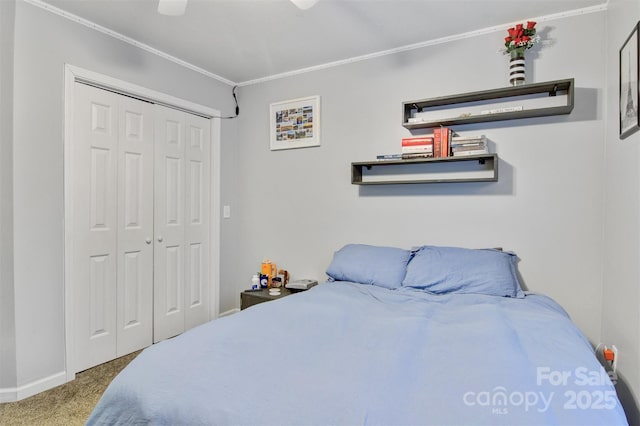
(128, 40)
(413, 46)
(420, 45)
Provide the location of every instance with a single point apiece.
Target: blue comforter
(351, 354)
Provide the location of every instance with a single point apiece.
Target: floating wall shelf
(428, 170)
(507, 103)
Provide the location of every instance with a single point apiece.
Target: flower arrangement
(521, 38)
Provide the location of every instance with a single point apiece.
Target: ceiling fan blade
(304, 4)
(172, 7)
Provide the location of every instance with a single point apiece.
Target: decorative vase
(516, 68)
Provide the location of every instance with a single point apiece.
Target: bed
(434, 335)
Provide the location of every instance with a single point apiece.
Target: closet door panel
(135, 225)
(94, 225)
(169, 226)
(197, 226)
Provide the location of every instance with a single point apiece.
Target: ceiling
(246, 40)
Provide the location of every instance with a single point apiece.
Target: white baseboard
(30, 389)
(229, 312)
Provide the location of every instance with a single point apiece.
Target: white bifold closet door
(139, 224)
(182, 247)
(112, 220)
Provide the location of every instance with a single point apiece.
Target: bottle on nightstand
(255, 282)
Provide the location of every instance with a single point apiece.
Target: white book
(468, 144)
(501, 110)
(469, 138)
(417, 149)
(472, 152)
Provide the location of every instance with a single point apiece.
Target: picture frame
(629, 92)
(295, 123)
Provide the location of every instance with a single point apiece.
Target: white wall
(621, 295)
(298, 206)
(44, 42)
(7, 323)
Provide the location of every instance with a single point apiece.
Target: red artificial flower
(520, 37)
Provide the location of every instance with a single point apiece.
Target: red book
(437, 143)
(445, 134)
(418, 140)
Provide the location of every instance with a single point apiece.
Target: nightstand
(250, 298)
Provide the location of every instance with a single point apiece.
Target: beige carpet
(68, 404)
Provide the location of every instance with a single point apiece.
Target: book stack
(469, 145)
(444, 142)
(417, 147)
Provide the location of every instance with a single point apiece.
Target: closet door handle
(160, 239)
(148, 241)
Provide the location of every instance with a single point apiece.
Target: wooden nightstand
(250, 298)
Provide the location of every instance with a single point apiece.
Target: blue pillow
(444, 270)
(364, 264)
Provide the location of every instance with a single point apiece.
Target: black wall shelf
(524, 92)
(359, 176)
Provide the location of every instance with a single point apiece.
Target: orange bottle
(269, 269)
